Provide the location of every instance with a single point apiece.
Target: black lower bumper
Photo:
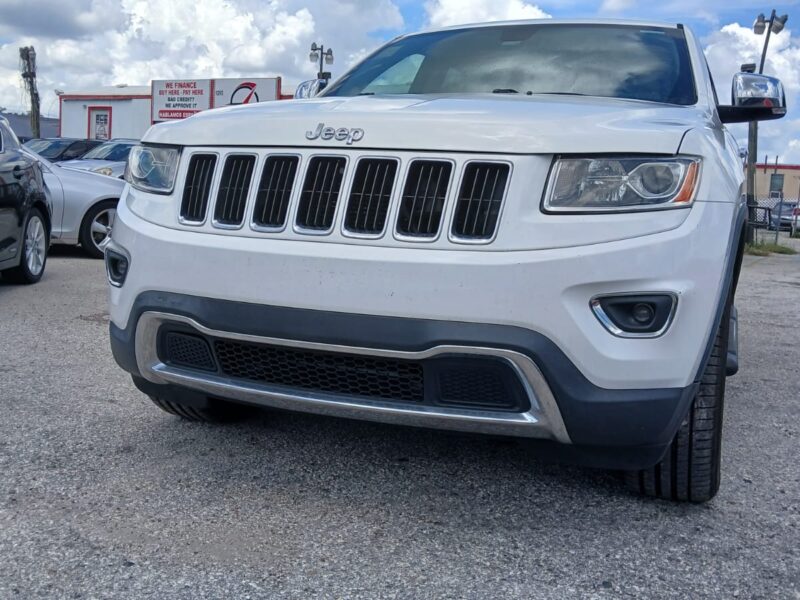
(615, 428)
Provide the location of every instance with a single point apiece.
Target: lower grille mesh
(348, 374)
(187, 350)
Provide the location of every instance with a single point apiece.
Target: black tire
(22, 273)
(85, 234)
(690, 471)
(212, 411)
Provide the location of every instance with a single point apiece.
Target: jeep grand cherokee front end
(528, 229)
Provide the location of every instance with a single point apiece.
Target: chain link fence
(773, 215)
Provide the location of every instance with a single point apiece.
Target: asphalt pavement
(102, 495)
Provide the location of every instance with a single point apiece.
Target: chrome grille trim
(274, 193)
(422, 204)
(197, 188)
(319, 195)
(369, 201)
(479, 201)
(234, 190)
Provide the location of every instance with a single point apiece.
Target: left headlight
(602, 184)
(152, 168)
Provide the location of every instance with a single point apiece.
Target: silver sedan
(84, 205)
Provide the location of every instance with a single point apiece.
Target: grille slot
(424, 194)
(328, 372)
(188, 351)
(320, 193)
(234, 186)
(479, 199)
(198, 187)
(275, 191)
(370, 193)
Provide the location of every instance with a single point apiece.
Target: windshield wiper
(366, 93)
(556, 94)
(504, 91)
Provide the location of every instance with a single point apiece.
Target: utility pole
(27, 56)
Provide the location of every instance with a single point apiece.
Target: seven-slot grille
(320, 192)
(421, 198)
(234, 187)
(479, 200)
(275, 191)
(370, 193)
(424, 194)
(198, 187)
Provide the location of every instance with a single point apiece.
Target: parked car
(25, 216)
(58, 149)
(782, 215)
(109, 158)
(530, 229)
(84, 205)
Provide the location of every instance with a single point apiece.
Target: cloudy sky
(87, 43)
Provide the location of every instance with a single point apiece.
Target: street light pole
(319, 53)
(775, 24)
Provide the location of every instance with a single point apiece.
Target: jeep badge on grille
(343, 134)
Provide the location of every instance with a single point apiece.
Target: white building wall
(130, 117)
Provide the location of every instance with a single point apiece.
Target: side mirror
(310, 88)
(755, 98)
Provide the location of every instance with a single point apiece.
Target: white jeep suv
(527, 228)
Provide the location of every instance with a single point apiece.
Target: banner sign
(178, 99)
(244, 91)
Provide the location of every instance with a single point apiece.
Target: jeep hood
(473, 123)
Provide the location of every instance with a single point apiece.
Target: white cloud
(616, 5)
(457, 12)
(734, 45)
(103, 42)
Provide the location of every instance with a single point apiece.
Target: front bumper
(589, 389)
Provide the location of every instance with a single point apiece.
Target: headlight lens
(153, 168)
(597, 184)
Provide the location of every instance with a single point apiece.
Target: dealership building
(124, 111)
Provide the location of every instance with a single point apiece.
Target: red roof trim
(778, 166)
(104, 97)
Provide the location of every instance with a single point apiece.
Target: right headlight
(152, 168)
(603, 184)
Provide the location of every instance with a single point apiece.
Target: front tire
(210, 411)
(690, 471)
(33, 253)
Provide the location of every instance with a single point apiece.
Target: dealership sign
(178, 99)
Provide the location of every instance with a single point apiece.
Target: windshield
(48, 148)
(618, 61)
(116, 151)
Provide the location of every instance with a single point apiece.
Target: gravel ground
(104, 496)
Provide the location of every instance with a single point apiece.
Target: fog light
(117, 265)
(635, 315)
(643, 313)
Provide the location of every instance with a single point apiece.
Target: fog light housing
(633, 315)
(117, 267)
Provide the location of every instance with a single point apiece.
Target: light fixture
(329, 56)
(760, 24)
(779, 23)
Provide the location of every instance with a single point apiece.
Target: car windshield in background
(48, 148)
(115, 151)
(617, 61)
